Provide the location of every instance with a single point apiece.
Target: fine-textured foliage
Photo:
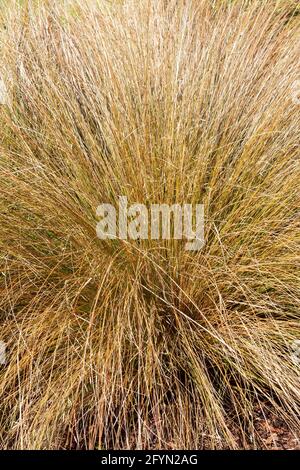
(141, 344)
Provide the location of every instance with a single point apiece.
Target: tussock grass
(141, 344)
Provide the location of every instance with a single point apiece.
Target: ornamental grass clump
(141, 344)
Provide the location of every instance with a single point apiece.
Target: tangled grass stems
(141, 344)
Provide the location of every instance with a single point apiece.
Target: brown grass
(141, 344)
